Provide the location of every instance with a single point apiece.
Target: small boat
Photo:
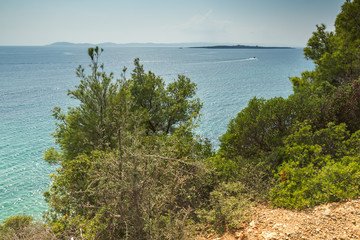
(253, 58)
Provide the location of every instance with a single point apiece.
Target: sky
(260, 22)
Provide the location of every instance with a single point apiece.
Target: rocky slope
(330, 221)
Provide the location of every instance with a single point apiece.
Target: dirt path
(330, 221)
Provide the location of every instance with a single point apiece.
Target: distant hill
(241, 47)
(110, 44)
(69, 44)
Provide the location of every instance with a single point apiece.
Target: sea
(34, 80)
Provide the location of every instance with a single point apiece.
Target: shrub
(23, 227)
(17, 222)
(323, 166)
(228, 207)
(254, 175)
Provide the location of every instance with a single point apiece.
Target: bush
(23, 227)
(322, 166)
(344, 106)
(254, 175)
(257, 128)
(308, 186)
(125, 197)
(17, 222)
(228, 207)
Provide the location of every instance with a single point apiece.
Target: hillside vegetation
(131, 167)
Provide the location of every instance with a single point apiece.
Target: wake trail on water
(228, 61)
(239, 60)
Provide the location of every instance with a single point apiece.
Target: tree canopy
(130, 164)
(108, 107)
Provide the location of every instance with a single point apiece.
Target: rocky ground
(330, 221)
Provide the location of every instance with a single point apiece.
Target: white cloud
(198, 20)
(204, 27)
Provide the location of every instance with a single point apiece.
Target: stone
(270, 236)
(327, 212)
(252, 224)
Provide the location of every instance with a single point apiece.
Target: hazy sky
(266, 22)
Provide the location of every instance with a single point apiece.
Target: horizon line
(178, 44)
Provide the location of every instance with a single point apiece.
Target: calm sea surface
(33, 80)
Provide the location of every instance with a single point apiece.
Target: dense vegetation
(309, 142)
(131, 167)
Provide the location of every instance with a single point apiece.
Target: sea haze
(33, 80)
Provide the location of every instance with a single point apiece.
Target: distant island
(70, 44)
(185, 45)
(110, 44)
(241, 47)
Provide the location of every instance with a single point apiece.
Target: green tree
(130, 164)
(110, 108)
(261, 127)
(337, 55)
(261, 138)
(257, 128)
(91, 125)
(347, 21)
(344, 106)
(318, 44)
(165, 107)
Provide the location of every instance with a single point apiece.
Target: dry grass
(35, 231)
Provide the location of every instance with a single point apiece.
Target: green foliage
(260, 129)
(257, 128)
(262, 135)
(165, 107)
(17, 222)
(130, 164)
(337, 55)
(344, 106)
(151, 196)
(228, 207)
(322, 166)
(109, 107)
(314, 161)
(253, 145)
(341, 66)
(52, 156)
(318, 44)
(254, 175)
(310, 103)
(91, 125)
(347, 20)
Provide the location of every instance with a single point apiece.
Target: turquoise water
(35, 79)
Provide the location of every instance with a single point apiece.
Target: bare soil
(330, 221)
